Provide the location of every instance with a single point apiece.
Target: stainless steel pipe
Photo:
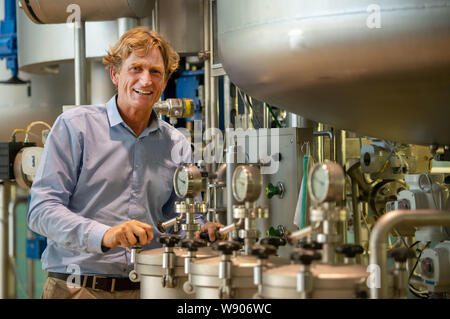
(125, 24)
(231, 165)
(227, 102)
(381, 230)
(80, 63)
(207, 71)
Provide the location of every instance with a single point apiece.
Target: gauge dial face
(181, 182)
(326, 182)
(241, 184)
(187, 181)
(246, 183)
(320, 182)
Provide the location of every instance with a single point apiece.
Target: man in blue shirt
(105, 176)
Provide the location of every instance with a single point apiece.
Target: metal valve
(192, 245)
(274, 241)
(310, 246)
(169, 241)
(349, 251)
(262, 252)
(304, 276)
(400, 256)
(226, 248)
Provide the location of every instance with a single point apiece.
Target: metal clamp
(168, 280)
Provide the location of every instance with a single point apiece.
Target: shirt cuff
(94, 242)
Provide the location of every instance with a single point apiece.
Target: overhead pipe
(227, 102)
(80, 63)
(125, 24)
(379, 237)
(155, 16)
(207, 73)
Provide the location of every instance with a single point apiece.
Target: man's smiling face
(140, 80)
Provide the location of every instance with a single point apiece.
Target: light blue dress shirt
(95, 173)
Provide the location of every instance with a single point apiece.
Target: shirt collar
(115, 118)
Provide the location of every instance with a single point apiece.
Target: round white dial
(241, 184)
(187, 181)
(246, 183)
(181, 182)
(326, 182)
(320, 182)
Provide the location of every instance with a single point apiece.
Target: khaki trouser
(58, 289)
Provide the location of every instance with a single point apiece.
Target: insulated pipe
(227, 102)
(125, 24)
(80, 63)
(380, 233)
(207, 67)
(213, 81)
(155, 16)
(231, 165)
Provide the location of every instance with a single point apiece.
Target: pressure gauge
(326, 182)
(247, 183)
(187, 181)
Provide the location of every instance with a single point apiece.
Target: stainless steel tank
(57, 11)
(149, 266)
(329, 282)
(378, 68)
(42, 47)
(207, 284)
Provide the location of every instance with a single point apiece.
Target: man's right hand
(127, 234)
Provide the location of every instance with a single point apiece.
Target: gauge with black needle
(247, 183)
(187, 181)
(326, 182)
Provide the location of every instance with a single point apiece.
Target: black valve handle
(169, 240)
(192, 244)
(274, 241)
(263, 251)
(401, 254)
(349, 250)
(226, 247)
(305, 257)
(310, 246)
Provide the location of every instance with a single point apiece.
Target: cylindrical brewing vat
(149, 267)
(206, 281)
(329, 282)
(377, 68)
